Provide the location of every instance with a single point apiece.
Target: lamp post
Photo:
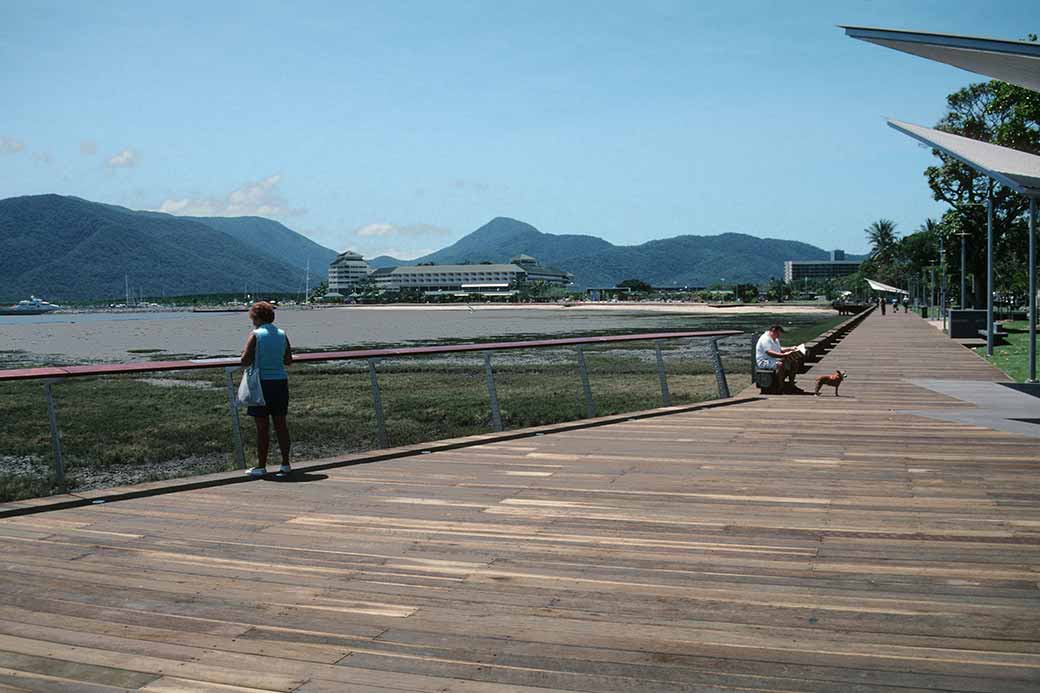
(931, 291)
(942, 282)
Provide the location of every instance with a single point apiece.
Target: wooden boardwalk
(789, 544)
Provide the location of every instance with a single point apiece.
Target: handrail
(53, 374)
(148, 366)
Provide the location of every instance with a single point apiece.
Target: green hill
(275, 239)
(66, 249)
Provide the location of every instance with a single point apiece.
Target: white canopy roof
(1017, 62)
(878, 286)
(1019, 171)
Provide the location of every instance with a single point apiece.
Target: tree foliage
(1001, 114)
(881, 235)
(637, 285)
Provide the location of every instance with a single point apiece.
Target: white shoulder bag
(250, 394)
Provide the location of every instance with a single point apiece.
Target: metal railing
(51, 375)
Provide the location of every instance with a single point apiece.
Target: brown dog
(834, 380)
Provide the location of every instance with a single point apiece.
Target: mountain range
(677, 261)
(66, 248)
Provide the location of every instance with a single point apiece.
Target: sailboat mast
(307, 291)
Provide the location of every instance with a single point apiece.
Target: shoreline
(675, 308)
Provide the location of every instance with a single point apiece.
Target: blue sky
(398, 127)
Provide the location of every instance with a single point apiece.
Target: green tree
(1001, 114)
(881, 235)
(318, 291)
(637, 285)
(746, 292)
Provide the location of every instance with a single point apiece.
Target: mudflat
(90, 337)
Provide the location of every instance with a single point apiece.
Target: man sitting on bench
(784, 362)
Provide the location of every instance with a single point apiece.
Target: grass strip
(1012, 357)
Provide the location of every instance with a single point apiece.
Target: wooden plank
(790, 543)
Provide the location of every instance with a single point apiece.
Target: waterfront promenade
(784, 544)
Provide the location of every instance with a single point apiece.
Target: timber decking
(789, 544)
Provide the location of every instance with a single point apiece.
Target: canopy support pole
(942, 283)
(989, 276)
(1032, 290)
(964, 277)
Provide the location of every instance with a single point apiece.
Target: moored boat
(34, 306)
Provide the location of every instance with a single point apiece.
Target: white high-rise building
(345, 271)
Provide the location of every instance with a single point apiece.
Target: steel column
(59, 465)
(236, 428)
(666, 397)
(942, 283)
(377, 403)
(964, 276)
(720, 374)
(1032, 290)
(590, 405)
(754, 348)
(496, 415)
(989, 276)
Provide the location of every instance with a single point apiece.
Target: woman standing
(268, 348)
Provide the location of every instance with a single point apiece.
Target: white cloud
(128, 158)
(9, 145)
(43, 157)
(88, 147)
(390, 230)
(261, 198)
(397, 252)
(376, 230)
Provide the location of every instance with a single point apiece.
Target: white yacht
(34, 306)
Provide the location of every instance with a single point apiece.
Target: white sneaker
(285, 469)
(257, 472)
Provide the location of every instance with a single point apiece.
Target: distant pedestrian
(882, 302)
(268, 348)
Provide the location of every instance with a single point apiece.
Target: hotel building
(345, 271)
(837, 266)
(488, 280)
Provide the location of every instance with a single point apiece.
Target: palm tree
(882, 237)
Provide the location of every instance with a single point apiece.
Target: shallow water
(93, 337)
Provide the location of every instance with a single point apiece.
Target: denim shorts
(276, 394)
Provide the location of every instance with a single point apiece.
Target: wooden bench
(999, 334)
(765, 381)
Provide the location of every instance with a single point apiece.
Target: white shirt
(766, 344)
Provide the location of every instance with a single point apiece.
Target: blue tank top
(270, 352)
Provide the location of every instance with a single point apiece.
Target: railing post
(236, 428)
(496, 415)
(59, 465)
(754, 359)
(590, 405)
(720, 374)
(666, 398)
(377, 402)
